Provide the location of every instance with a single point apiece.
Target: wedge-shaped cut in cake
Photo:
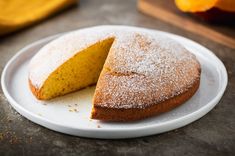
(139, 73)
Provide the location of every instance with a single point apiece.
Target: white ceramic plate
(59, 114)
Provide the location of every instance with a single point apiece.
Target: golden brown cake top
(143, 69)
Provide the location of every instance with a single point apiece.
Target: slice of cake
(140, 74)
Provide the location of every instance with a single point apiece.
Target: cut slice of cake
(140, 74)
(69, 63)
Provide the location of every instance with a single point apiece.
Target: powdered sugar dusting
(142, 68)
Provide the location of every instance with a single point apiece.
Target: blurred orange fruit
(204, 5)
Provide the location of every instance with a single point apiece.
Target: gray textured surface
(214, 134)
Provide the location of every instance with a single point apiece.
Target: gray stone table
(213, 134)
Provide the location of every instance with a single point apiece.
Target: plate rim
(184, 120)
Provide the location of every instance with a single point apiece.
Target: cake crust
(34, 90)
(133, 114)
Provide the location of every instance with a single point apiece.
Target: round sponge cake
(140, 74)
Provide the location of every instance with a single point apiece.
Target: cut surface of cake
(140, 73)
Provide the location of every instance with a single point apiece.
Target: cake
(140, 73)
